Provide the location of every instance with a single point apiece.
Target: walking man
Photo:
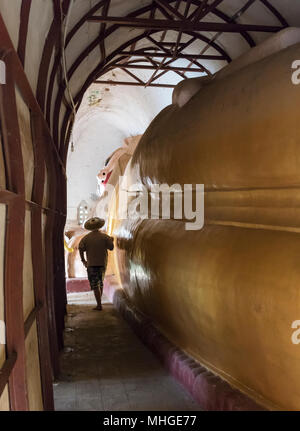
(95, 245)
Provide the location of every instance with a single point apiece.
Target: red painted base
(77, 285)
(209, 390)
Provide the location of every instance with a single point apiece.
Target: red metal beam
(149, 60)
(24, 18)
(30, 321)
(201, 68)
(168, 8)
(165, 55)
(111, 29)
(171, 44)
(186, 11)
(198, 10)
(162, 38)
(134, 84)
(162, 24)
(13, 280)
(90, 48)
(6, 370)
(160, 66)
(83, 20)
(136, 78)
(99, 71)
(155, 77)
(168, 68)
(158, 44)
(204, 10)
(50, 252)
(186, 44)
(240, 12)
(173, 52)
(102, 30)
(15, 217)
(39, 274)
(52, 40)
(275, 12)
(44, 64)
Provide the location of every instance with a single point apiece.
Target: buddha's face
(102, 175)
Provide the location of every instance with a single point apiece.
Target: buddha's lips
(107, 178)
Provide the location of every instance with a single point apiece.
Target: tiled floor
(106, 367)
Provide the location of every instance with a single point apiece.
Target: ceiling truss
(185, 17)
(161, 54)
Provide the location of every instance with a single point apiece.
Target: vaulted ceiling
(82, 40)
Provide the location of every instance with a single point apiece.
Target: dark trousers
(95, 276)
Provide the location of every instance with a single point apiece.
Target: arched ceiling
(162, 37)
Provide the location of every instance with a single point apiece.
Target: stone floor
(105, 367)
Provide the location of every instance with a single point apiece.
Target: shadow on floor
(105, 367)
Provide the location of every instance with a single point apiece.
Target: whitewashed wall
(99, 130)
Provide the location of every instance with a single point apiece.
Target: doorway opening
(108, 126)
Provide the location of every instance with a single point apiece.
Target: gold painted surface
(227, 295)
(46, 189)
(28, 291)
(33, 376)
(26, 142)
(232, 134)
(44, 224)
(4, 400)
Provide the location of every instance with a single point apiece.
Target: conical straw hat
(94, 223)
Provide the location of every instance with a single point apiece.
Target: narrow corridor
(106, 367)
